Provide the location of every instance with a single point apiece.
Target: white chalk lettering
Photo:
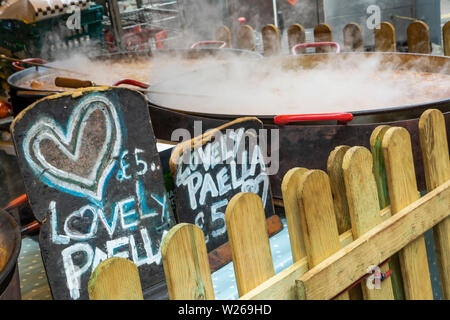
(216, 215)
(222, 178)
(99, 256)
(113, 245)
(128, 215)
(73, 272)
(194, 187)
(208, 186)
(56, 238)
(80, 214)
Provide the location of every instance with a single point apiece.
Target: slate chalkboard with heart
(94, 180)
(211, 168)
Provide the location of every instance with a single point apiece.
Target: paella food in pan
(338, 84)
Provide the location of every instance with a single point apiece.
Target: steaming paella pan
(367, 88)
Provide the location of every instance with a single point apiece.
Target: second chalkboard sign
(210, 169)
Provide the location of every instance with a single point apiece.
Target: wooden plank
(252, 259)
(379, 167)
(433, 140)
(186, 264)
(364, 207)
(402, 184)
(315, 203)
(446, 37)
(289, 187)
(223, 33)
(374, 247)
(271, 40)
(419, 38)
(115, 279)
(94, 180)
(222, 255)
(296, 35)
(353, 37)
(385, 38)
(246, 38)
(383, 196)
(323, 33)
(335, 172)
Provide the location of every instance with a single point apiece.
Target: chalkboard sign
(210, 169)
(94, 180)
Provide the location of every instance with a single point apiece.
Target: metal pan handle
(222, 44)
(16, 202)
(132, 83)
(18, 65)
(285, 119)
(32, 226)
(315, 45)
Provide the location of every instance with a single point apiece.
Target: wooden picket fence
(366, 210)
(417, 34)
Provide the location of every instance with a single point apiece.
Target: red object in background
(242, 20)
(222, 44)
(16, 202)
(136, 39)
(159, 37)
(315, 45)
(5, 109)
(292, 2)
(341, 117)
(132, 83)
(18, 65)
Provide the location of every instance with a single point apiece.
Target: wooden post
(353, 37)
(289, 190)
(433, 140)
(250, 248)
(383, 196)
(115, 279)
(223, 33)
(446, 36)
(336, 175)
(246, 38)
(323, 33)
(296, 35)
(403, 191)
(315, 202)
(419, 38)
(271, 40)
(364, 208)
(385, 38)
(186, 264)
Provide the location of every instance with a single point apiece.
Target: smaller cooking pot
(10, 242)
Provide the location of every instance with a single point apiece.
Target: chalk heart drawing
(74, 174)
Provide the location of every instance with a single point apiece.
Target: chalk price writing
(122, 174)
